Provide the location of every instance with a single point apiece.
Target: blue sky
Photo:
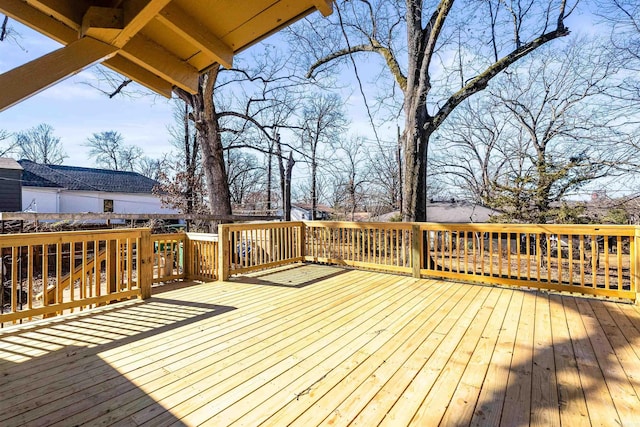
(76, 110)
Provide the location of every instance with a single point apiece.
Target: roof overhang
(160, 44)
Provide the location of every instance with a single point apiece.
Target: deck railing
(168, 256)
(201, 260)
(595, 260)
(45, 274)
(380, 246)
(249, 247)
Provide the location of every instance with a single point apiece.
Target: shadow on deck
(321, 344)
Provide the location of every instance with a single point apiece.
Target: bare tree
(350, 177)
(624, 19)
(149, 167)
(543, 133)
(7, 143)
(321, 123)
(111, 152)
(7, 32)
(432, 85)
(40, 145)
(246, 176)
(382, 167)
(182, 177)
(470, 152)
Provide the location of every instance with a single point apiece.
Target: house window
(108, 205)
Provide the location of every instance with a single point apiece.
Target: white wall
(87, 201)
(298, 214)
(45, 199)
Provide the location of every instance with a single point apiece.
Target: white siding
(90, 201)
(45, 199)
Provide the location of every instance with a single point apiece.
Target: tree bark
(287, 196)
(210, 142)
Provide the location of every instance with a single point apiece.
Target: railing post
(146, 264)
(416, 250)
(301, 240)
(223, 255)
(635, 278)
(112, 254)
(186, 257)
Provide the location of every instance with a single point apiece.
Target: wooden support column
(37, 75)
(635, 264)
(223, 252)
(186, 257)
(111, 269)
(416, 250)
(301, 241)
(145, 258)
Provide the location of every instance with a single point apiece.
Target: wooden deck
(311, 345)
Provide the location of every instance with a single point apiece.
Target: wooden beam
(137, 14)
(31, 78)
(69, 12)
(196, 33)
(324, 6)
(39, 21)
(140, 75)
(27, 15)
(158, 60)
(102, 23)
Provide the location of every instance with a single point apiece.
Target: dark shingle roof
(84, 179)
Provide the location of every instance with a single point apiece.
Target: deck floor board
(318, 345)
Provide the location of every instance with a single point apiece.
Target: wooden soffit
(160, 44)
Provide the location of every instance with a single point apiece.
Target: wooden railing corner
(416, 250)
(301, 240)
(146, 264)
(224, 255)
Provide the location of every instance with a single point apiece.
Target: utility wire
(355, 69)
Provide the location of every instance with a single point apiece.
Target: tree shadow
(63, 370)
(582, 372)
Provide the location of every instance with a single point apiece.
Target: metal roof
(157, 43)
(84, 179)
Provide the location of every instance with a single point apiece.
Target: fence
(201, 261)
(379, 246)
(45, 274)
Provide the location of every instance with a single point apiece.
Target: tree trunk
(287, 194)
(269, 165)
(416, 141)
(314, 194)
(210, 142)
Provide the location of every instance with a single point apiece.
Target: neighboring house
(10, 177)
(71, 189)
(302, 212)
(450, 212)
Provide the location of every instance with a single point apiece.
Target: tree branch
(481, 81)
